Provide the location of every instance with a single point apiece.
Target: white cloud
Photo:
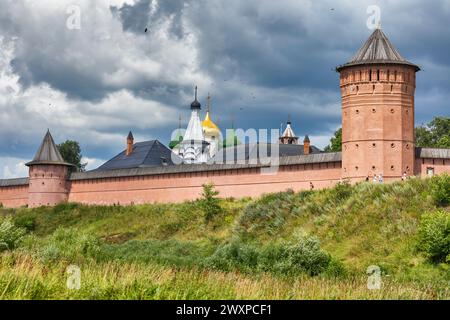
(92, 163)
(13, 168)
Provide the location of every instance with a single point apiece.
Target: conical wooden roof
(377, 49)
(48, 153)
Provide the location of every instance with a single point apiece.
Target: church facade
(377, 88)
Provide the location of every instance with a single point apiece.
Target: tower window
(373, 167)
(392, 110)
(374, 145)
(357, 111)
(392, 167)
(356, 168)
(392, 145)
(378, 75)
(374, 110)
(370, 75)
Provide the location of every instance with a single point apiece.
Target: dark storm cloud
(139, 16)
(261, 60)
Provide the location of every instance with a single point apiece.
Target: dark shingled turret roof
(145, 154)
(48, 153)
(377, 49)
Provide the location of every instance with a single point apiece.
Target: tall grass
(22, 277)
(287, 245)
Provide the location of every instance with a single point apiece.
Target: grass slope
(169, 251)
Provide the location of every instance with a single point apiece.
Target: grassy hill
(313, 245)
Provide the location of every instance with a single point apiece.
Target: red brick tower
(377, 88)
(48, 175)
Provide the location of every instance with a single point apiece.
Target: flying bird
(145, 30)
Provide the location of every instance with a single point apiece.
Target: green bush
(10, 234)
(209, 203)
(434, 236)
(306, 255)
(440, 189)
(28, 222)
(234, 255)
(302, 256)
(69, 244)
(341, 191)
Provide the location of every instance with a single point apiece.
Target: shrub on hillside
(302, 256)
(434, 236)
(341, 191)
(69, 244)
(266, 215)
(440, 189)
(234, 255)
(209, 202)
(306, 255)
(28, 222)
(10, 234)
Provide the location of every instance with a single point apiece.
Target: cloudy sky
(260, 60)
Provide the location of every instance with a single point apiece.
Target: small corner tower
(377, 89)
(48, 174)
(194, 148)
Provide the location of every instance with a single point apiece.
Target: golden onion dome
(209, 127)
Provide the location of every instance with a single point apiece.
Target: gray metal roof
(433, 153)
(245, 152)
(145, 154)
(186, 168)
(377, 49)
(13, 182)
(48, 153)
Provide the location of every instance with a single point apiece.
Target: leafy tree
(440, 189)
(434, 236)
(335, 142)
(71, 152)
(209, 202)
(435, 134)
